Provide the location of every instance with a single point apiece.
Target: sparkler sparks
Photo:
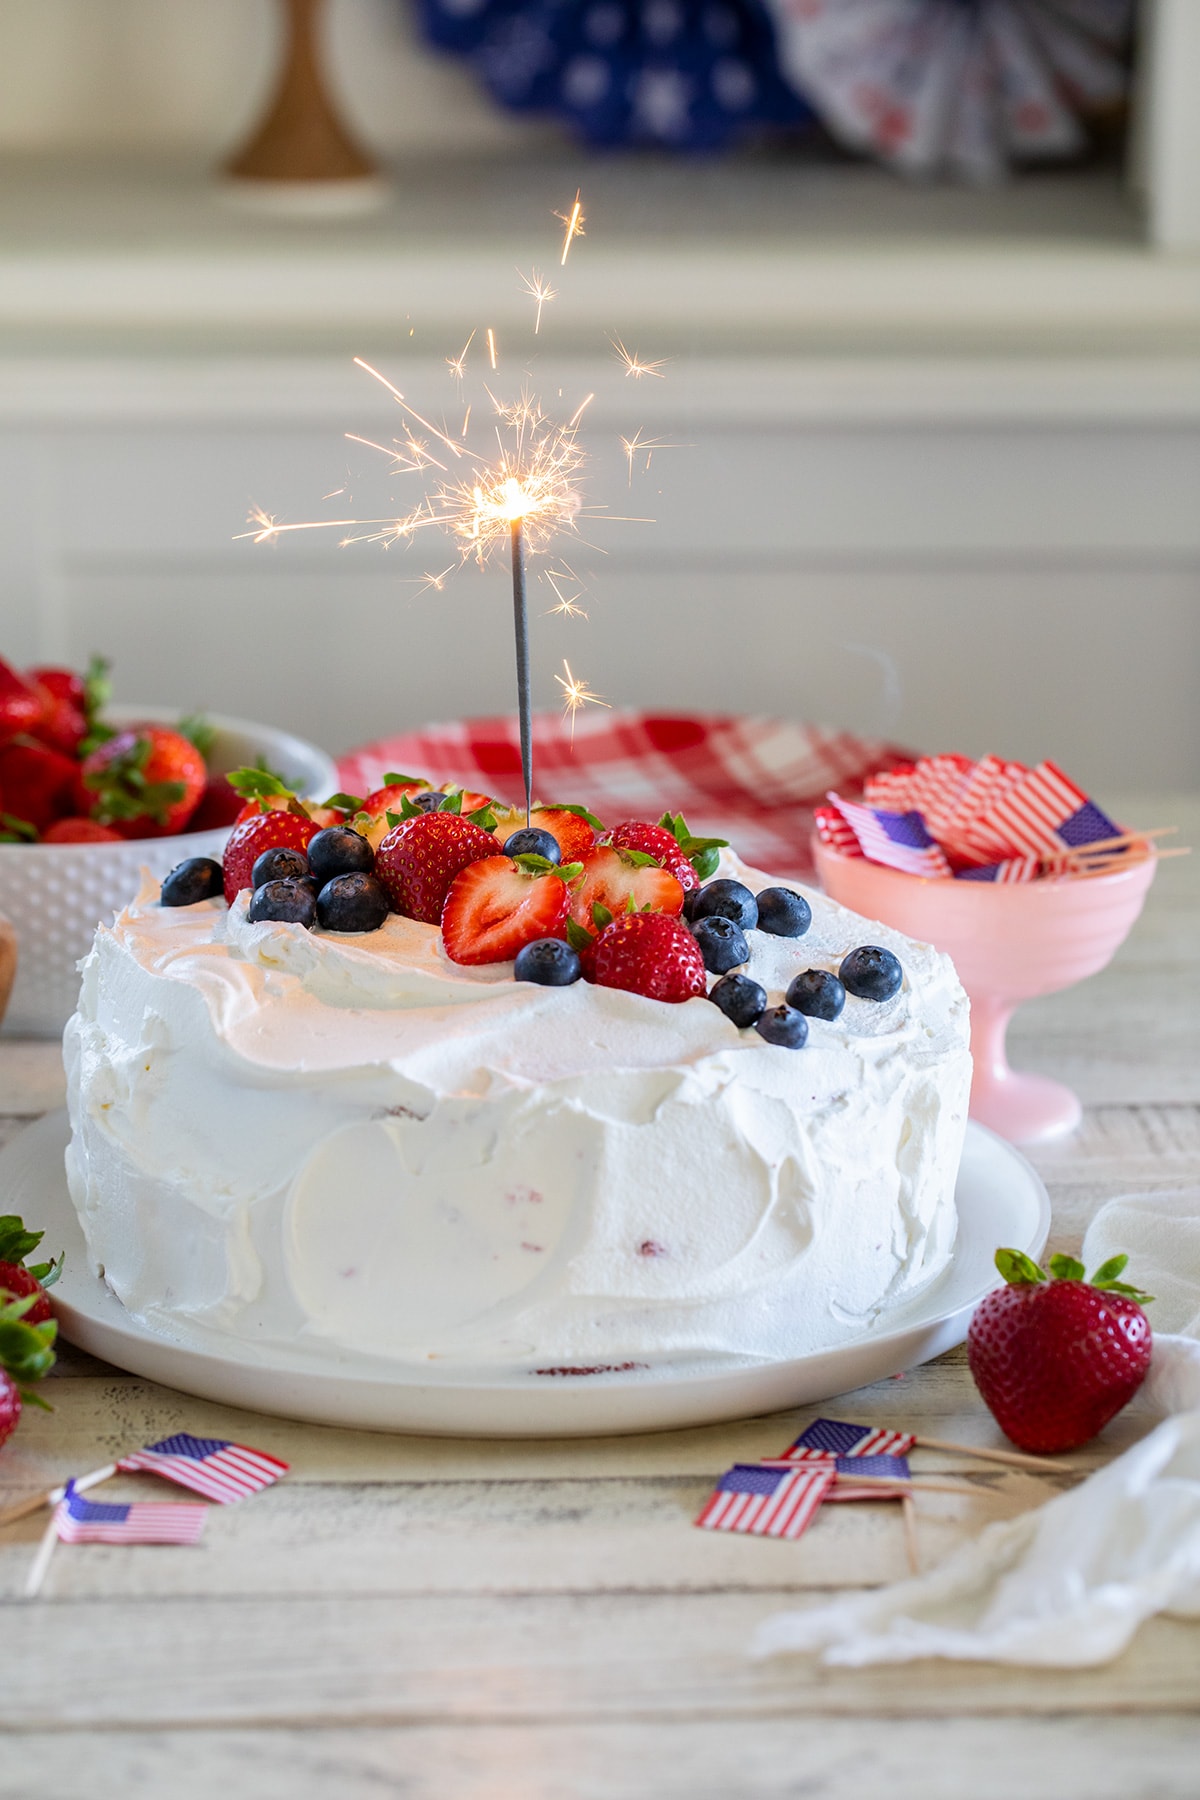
(540, 291)
(457, 365)
(575, 695)
(634, 365)
(514, 499)
(568, 604)
(572, 227)
(640, 445)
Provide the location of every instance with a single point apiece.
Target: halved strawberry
(690, 859)
(145, 782)
(620, 881)
(651, 954)
(387, 799)
(263, 791)
(261, 831)
(419, 858)
(573, 828)
(498, 905)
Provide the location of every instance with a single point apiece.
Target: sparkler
(513, 504)
(576, 694)
(540, 292)
(568, 604)
(633, 364)
(573, 227)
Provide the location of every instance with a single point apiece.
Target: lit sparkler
(540, 292)
(576, 694)
(515, 501)
(572, 227)
(633, 364)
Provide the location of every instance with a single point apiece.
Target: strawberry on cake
(411, 1077)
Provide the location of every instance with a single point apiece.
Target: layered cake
(364, 1143)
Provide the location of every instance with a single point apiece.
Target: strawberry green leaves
(26, 1351)
(1018, 1269)
(16, 1244)
(702, 852)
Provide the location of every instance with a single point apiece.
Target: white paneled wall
(966, 581)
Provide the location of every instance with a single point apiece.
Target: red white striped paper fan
(959, 85)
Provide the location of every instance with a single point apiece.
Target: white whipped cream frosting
(353, 1145)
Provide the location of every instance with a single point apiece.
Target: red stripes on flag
(785, 1512)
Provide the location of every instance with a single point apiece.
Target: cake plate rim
(1001, 1200)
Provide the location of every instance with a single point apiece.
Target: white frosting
(351, 1143)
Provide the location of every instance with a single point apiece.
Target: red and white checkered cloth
(754, 781)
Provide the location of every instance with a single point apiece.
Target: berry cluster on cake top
(560, 896)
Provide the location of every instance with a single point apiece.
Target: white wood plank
(1106, 1758)
(102, 1414)
(602, 1534)
(365, 1661)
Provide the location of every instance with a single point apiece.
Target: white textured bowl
(56, 894)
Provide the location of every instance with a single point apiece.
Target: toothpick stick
(1122, 837)
(41, 1560)
(910, 1533)
(1111, 865)
(23, 1508)
(1017, 1459)
(915, 1486)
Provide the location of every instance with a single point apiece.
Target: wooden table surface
(420, 1616)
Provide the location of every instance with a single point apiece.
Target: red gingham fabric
(754, 781)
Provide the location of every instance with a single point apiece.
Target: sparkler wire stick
(521, 630)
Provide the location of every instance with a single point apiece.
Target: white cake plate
(1001, 1200)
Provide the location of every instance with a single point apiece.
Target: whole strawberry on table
(68, 777)
(27, 1330)
(1056, 1356)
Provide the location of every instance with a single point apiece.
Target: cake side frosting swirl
(355, 1144)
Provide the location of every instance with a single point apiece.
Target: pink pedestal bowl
(1009, 943)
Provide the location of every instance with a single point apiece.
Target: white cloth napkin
(1068, 1584)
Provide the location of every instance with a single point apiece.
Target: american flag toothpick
(76, 1520)
(758, 1501)
(220, 1470)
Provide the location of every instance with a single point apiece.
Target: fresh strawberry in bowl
(145, 782)
(1056, 1356)
(68, 871)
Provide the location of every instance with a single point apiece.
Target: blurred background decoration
(953, 86)
(939, 436)
(301, 155)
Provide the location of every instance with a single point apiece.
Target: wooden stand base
(301, 158)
